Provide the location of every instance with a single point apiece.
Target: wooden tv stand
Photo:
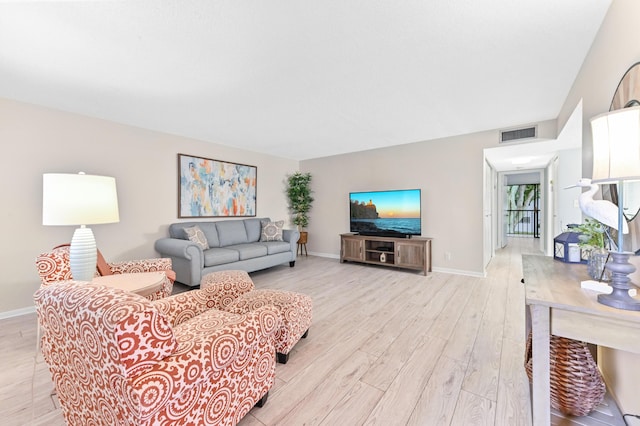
(409, 253)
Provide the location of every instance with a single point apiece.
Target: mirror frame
(627, 95)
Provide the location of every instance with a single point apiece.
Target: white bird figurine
(601, 210)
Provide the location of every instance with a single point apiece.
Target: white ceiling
(299, 79)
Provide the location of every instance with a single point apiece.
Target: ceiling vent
(518, 134)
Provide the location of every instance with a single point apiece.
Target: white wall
(568, 173)
(450, 173)
(38, 140)
(615, 49)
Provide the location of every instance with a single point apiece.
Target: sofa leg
(262, 400)
(282, 358)
(306, 333)
(292, 263)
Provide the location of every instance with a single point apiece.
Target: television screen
(386, 213)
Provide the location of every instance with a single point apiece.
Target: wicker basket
(577, 386)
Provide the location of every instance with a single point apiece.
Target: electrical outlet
(447, 255)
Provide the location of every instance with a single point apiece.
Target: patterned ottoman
(226, 287)
(295, 314)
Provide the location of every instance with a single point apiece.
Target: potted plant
(300, 200)
(592, 238)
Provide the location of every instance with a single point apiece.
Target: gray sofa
(234, 244)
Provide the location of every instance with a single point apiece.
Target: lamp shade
(616, 159)
(78, 199)
(616, 146)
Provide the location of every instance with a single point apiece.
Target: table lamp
(79, 199)
(616, 159)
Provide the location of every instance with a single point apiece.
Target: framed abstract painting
(213, 188)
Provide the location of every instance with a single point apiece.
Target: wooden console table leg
(541, 409)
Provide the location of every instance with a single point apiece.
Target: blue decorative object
(566, 249)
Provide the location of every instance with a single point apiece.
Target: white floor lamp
(616, 159)
(79, 199)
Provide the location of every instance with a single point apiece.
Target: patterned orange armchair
(118, 358)
(54, 266)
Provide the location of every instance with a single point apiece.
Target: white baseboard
(17, 312)
(327, 255)
(460, 272)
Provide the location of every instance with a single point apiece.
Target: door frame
(546, 205)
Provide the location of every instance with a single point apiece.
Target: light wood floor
(386, 347)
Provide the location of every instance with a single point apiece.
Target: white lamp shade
(78, 199)
(616, 146)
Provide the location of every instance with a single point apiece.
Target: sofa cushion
(195, 234)
(231, 232)
(254, 228)
(274, 247)
(219, 256)
(271, 231)
(249, 251)
(210, 231)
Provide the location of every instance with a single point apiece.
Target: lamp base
(83, 254)
(620, 269)
(602, 287)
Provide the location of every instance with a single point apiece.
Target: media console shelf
(409, 253)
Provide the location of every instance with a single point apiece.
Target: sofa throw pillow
(196, 235)
(271, 231)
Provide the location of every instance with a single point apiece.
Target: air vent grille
(517, 134)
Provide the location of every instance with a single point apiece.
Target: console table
(558, 305)
(142, 283)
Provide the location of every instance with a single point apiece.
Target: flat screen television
(393, 213)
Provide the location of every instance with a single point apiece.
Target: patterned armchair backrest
(54, 265)
(95, 340)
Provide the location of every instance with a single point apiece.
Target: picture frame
(214, 188)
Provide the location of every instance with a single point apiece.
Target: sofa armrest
(186, 256)
(185, 249)
(291, 236)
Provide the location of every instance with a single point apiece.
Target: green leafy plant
(300, 198)
(592, 234)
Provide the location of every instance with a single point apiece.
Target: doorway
(522, 201)
(523, 210)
